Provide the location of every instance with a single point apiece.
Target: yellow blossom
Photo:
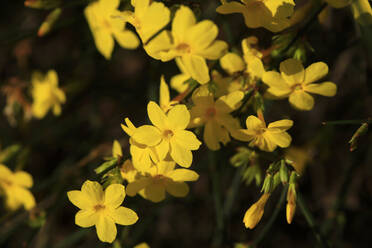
(295, 82)
(168, 134)
(215, 115)
(101, 209)
(190, 41)
(15, 187)
(243, 71)
(161, 178)
(105, 24)
(270, 14)
(142, 245)
(46, 94)
(143, 156)
(164, 96)
(148, 17)
(265, 138)
(254, 214)
(128, 172)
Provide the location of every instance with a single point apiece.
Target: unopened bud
(291, 202)
(362, 12)
(48, 24)
(254, 214)
(268, 184)
(283, 172)
(42, 4)
(360, 132)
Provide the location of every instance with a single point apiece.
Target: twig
(346, 122)
(310, 221)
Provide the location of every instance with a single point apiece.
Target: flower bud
(42, 4)
(47, 25)
(283, 172)
(362, 12)
(291, 202)
(254, 214)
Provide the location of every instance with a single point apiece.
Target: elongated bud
(254, 214)
(283, 172)
(360, 132)
(48, 24)
(362, 12)
(42, 4)
(242, 157)
(291, 203)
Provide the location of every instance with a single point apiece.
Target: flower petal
(278, 86)
(215, 51)
(155, 192)
(124, 216)
(252, 123)
(202, 35)
(180, 154)
(231, 63)
(315, 71)
(196, 67)
(134, 187)
(177, 189)
(23, 178)
(178, 117)
(324, 89)
(282, 124)
(183, 20)
(230, 7)
(183, 175)
(292, 71)
(93, 191)
(114, 195)
(187, 139)
(106, 229)
(147, 135)
(157, 115)
(86, 218)
(230, 102)
(282, 139)
(127, 39)
(80, 199)
(211, 135)
(301, 100)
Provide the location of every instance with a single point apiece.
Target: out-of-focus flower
(46, 94)
(142, 245)
(215, 115)
(15, 187)
(178, 81)
(254, 214)
(105, 23)
(298, 157)
(190, 41)
(362, 12)
(101, 209)
(161, 178)
(295, 82)
(168, 134)
(265, 138)
(148, 17)
(338, 3)
(272, 15)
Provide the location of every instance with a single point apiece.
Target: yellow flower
(168, 134)
(254, 214)
(148, 17)
(164, 99)
(161, 178)
(190, 41)
(15, 187)
(265, 138)
(270, 14)
(215, 115)
(143, 156)
(46, 94)
(101, 209)
(105, 24)
(116, 149)
(294, 82)
(244, 72)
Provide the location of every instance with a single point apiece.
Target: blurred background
(62, 152)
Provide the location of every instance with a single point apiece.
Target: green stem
(233, 191)
(218, 235)
(345, 122)
(310, 221)
(272, 219)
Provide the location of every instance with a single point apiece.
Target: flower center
(183, 48)
(167, 134)
(210, 112)
(260, 131)
(297, 87)
(99, 207)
